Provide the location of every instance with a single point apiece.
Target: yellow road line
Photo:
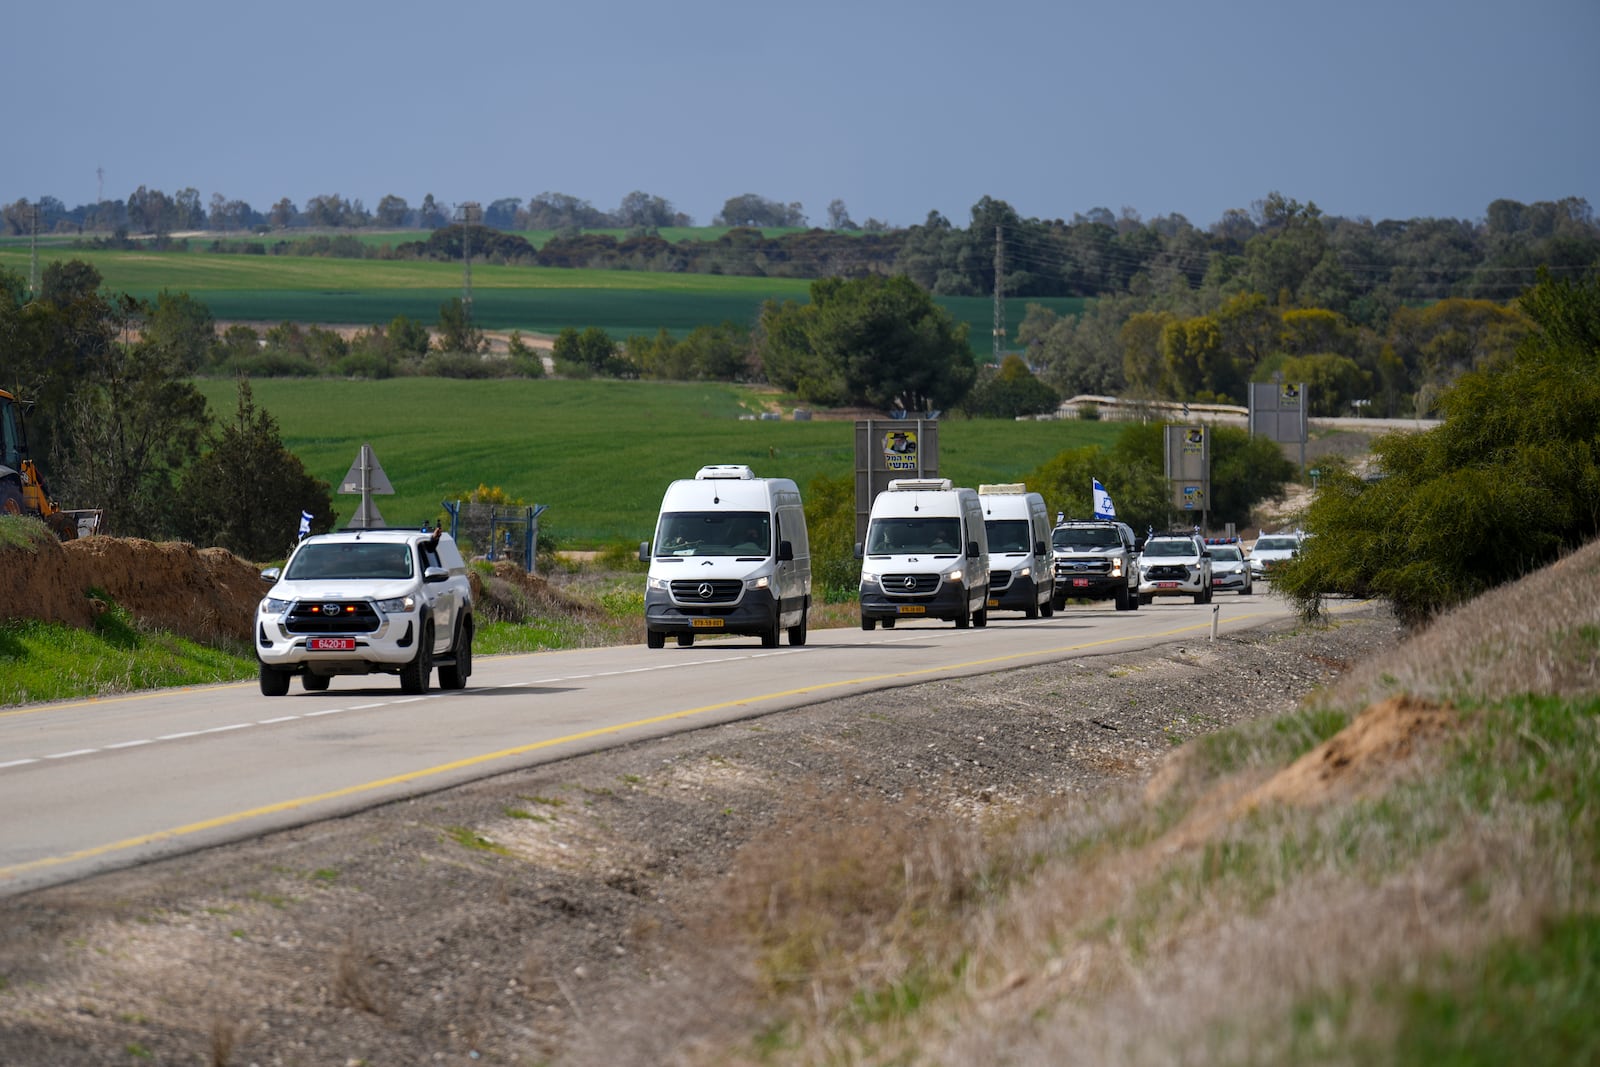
(521, 750)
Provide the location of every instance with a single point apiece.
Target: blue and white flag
(305, 521)
(1103, 508)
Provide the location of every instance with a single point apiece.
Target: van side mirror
(858, 552)
(644, 551)
(785, 551)
(1039, 548)
(972, 550)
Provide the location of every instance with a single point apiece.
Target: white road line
(74, 752)
(17, 763)
(132, 744)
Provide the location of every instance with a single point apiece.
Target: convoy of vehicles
(730, 556)
(1096, 559)
(1174, 564)
(1021, 574)
(357, 602)
(926, 555)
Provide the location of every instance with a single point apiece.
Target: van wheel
(414, 676)
(685, 640)
(797, 634)
(456, 675)
(769, 638)
(964, 619)
(655, 639)
(274, 683)
(980, 618)
(1048, 608)
(867, 624)
(315, 683)
(1031, 611)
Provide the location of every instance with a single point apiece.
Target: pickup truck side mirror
(435, 575)
(270, 575)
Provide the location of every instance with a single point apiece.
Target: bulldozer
(22, 490)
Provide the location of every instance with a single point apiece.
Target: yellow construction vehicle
(22, 490)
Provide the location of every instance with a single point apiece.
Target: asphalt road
(87, 786)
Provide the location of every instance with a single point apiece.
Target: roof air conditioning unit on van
(1003, 488)
(922, 484)
(724, 470)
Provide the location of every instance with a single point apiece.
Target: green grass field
(538, 300)
(600, 453)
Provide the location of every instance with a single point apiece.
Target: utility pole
(33, 257)
(469, 214)
(999, 293)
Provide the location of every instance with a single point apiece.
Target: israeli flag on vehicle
(1103, 508)
(305, 521)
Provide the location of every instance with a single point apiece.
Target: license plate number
(994, 603)
(1166, 585)
(707, 624)
(331, 644)
(912, 609)
(1080, 583)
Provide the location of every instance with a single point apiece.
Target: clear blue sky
(1393, 109)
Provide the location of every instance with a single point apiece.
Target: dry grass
(1275, 895)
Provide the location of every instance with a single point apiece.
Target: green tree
(245, 491)
(880, 342)
(591, 352)
(182, 329)
(456, 332)
(1009, 391)
(1508, 481)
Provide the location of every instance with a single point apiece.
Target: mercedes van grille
(999, 581)
(315, 617)
(909, 584)
(707, 590)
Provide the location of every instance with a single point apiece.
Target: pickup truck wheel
(274, 683)
(655, 639)
(454, 676)
(797, 634)
(314, 683)
(414, 676)
(1125, 600)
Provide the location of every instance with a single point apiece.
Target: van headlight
(953, 576)
(397, 605)
(756, 583)
(660, 585)
(870, 576)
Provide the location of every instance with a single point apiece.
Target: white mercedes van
(926, 555)
(730, 556)
(1022, 574)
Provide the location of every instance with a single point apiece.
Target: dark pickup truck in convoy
(1095, 559)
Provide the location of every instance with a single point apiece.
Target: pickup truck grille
(1168, 572)
(718, 591)
(1084, 567)
(331, 617)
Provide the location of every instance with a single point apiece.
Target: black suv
(1095, 559)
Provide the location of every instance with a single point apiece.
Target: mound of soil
(200, 593)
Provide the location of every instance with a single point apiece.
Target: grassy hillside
(600, 453)
(531, 299)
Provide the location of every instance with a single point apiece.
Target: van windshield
(1008, 535)
(714, 533)
(896, 537)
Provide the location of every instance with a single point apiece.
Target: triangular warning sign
(366, 476)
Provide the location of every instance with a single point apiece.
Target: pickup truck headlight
(1116, 568)
(273, 605)
(398, 604)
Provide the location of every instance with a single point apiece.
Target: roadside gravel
(526, 918)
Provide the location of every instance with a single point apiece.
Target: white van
(926, 555)
(1022, 574)
(730, 557)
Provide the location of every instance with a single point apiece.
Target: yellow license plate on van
(993, 604)
(913, 609)
(707, 624)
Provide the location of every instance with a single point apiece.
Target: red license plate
(331, 644)
(1166, 585)
(1080, 583)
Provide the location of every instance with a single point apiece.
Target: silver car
(1230, 571)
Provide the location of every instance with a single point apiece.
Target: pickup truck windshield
(350, 559)
(1086, 537)
(896, 537)
(714, 533)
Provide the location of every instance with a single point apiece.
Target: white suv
(363, 602)
(1272, 551)
(1174, 565)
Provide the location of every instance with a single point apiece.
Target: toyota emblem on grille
(910, 581)
(705, 590)
(330, 609)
